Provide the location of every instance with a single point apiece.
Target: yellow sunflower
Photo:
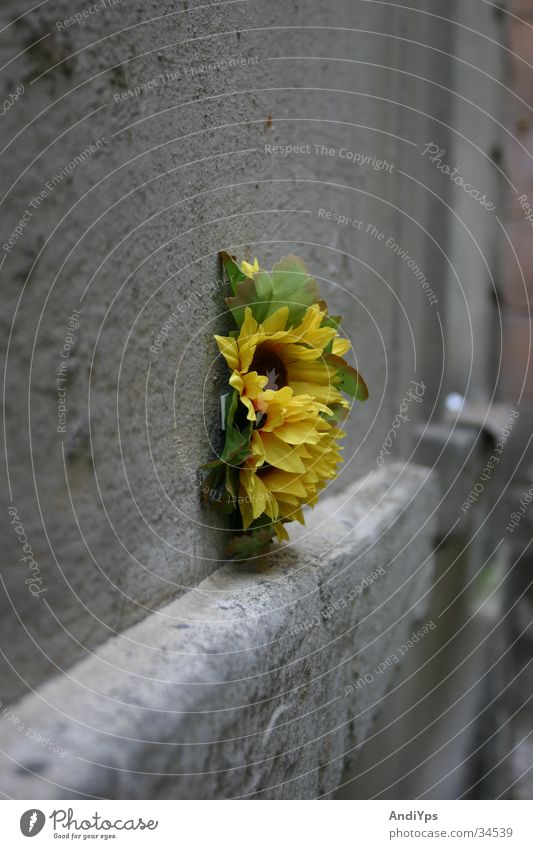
(285, 382)
(273, 356)
(288, 376)
(278, 478)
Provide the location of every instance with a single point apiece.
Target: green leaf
(263, 286)
(222, 473)
(237, 445)
(235, 275)
(237, 442)
(348, 379)
(330, 320)
(212, 481)
(231, 409)
(288, 285)
(340, 413)
(246, 296)
(250, 544)
(220, 487)
(234, 437)
(232, 482)
(293, 286)
(222, 500)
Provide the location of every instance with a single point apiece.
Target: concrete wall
(129, 236)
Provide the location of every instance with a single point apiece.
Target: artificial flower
(287, 378)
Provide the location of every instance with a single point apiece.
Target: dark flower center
(267, 362)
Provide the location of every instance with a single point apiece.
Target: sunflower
(271, 354)
(287, 377)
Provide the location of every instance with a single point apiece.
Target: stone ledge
(242, 686)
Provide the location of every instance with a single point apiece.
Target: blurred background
(386, 653)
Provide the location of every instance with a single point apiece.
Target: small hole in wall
(496, 154)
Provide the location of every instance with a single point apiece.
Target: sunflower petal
(341, 346)
(229, 350)
(280, 455)
(276, 321)
(249, 325)
(297, 432)
(281, 532)
(250, 269)
(282, 482)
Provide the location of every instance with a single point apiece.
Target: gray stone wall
(265, 129)
(129, 235)
(246, 687)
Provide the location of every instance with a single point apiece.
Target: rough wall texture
(244, 686)
(269, 129)
(129, 236)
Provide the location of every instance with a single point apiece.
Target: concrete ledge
(245, 686)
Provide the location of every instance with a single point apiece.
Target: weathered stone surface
(244, 686)
(130, 237)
